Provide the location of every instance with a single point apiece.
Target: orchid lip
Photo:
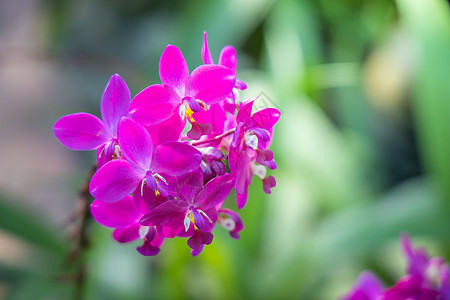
(251, 139)
(227, 223)
(258, 170)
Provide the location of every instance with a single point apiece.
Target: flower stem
(216, 138)
(82, 217)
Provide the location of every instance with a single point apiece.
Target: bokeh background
(363, 144)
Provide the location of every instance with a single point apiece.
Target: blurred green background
(363, 144)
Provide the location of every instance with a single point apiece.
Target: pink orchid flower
(83, 131)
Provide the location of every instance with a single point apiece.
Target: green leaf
(22, 223)
(428, 23)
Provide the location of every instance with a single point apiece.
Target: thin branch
(216, 138)
(80, 235)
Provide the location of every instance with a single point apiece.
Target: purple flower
(153, 183)
(83, 131)
(231, 221)
(144, 164)
(426, 279)
(180, 92)
(191, 212)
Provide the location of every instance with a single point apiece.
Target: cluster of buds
(426, 279)
(156, 180)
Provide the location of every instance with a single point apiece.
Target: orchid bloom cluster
(154, 181)
(426, 279)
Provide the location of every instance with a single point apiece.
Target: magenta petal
(206, 55)
(81, 131)
(168, 130)
(170, 213)
(135, 142)
(154, 113)
(212, 153)
(115, 102)
(271, 164)
(211, 83)
(193, 104)
(241, 199)
(268, 155)
(151, 181)
(197, 130)
(228, 58)
(240, 85)
(188, 186)
(230, 217)
(147, 249)
(215, 192)
(218, 167)
(198, 219)
(215, 115)
(146, 199)
(175, 158)
(154, 104)
(173, 231)
(233, 157)
(262, 134)
(264, 118)
(151, 233)
(118, 214)
(173, 69)
(409, 287)
(268, 184)
(230, 106)
(127, 234)
(218, 118)
(197, 251)
(237, 136)
(263, 156)
(244, 112)
(445, 282)
(102, 158)
(212, 214)
(243, 173)
(114, 181)
(158, 238)
(200, 238)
